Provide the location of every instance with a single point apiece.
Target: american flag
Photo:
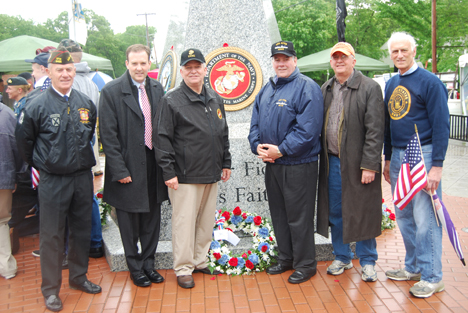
(412, 177)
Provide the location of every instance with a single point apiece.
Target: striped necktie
(35, 177)
(146, 109)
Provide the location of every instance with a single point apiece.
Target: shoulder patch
(84, 115)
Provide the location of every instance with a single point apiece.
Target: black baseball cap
(191, 55)
(40, 59)
(283, 47)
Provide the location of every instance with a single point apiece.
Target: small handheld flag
(412, 177)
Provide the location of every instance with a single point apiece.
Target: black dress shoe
(299, 277)
(140, 280)
(96, 252)
(86, 286)
(154, 276)
(53, 303)
(278, 269)
(185, 281)
(206, 270)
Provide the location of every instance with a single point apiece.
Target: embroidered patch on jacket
(84, 115)
(220, 115)
(55, 119)
(282, 102)
(399, 103)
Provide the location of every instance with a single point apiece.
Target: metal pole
(147, 31)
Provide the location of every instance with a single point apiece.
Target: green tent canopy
(321, 61)
(14, 51)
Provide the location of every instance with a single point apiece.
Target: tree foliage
(311, 25)
(101, 38)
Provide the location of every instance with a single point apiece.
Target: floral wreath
(257, 259)
(105, 208)
(388, 217)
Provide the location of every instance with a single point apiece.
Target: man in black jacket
(54, 134)
(133, 182)
(193, 151)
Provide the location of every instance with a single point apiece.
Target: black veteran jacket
(54, 135)
(192, 136)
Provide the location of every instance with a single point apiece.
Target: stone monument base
(114, 251)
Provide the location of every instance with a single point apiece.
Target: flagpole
(430, 191)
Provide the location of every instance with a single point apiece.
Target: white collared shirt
(137, 84)
(410, 71)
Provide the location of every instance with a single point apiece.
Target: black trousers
(291, 191)
(62, 197)
(142, 226)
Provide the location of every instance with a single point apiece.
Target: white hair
(401, 36)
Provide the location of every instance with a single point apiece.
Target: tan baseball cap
(343, 47)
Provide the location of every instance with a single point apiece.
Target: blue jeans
(366, 250)
(96, 228)
(417, 222)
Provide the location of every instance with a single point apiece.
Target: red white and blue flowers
(256, 259)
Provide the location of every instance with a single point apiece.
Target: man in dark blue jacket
(285, 132)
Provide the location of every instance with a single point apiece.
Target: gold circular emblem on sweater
(399, 103)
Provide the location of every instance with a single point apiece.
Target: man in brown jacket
(350, 195)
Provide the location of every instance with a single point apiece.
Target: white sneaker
(369, 273)
(338, 267)
(402, 274)
(425, 289)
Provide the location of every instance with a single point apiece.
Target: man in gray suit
(133, 181)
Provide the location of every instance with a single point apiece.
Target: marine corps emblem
(220, 115)
(399, 103)
(84, 115)
(235, 75)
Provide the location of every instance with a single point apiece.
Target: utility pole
(434, 37)
(146, 18)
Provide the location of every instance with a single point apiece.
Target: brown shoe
(185, 281)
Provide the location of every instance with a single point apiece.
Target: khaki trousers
(8, 266)
(193, 213)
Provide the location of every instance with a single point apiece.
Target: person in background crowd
(285, 133)
(10, 163)
(40, 71)
(2, 88)
(17, 90)
(351, 163)
(416, 97)
(29, 78)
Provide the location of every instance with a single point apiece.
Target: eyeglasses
(343, 57)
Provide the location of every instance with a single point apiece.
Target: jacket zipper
(210, 119)
(72, 122)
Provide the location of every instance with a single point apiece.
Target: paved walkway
(262, 292)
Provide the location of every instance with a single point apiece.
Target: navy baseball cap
(40, 59)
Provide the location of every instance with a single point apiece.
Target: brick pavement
(259, 293)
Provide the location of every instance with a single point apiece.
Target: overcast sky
(120, 14)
